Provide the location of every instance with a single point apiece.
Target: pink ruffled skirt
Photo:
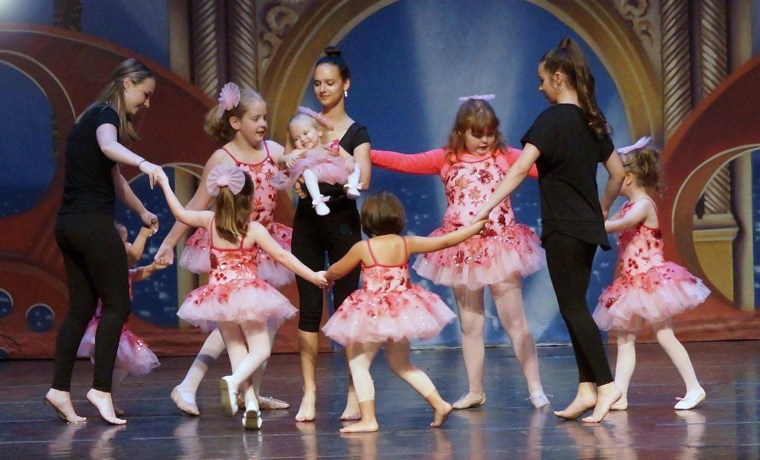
(195, 256)
(366, 316)
(483, 260)
(133, 353)
(236, 301)
(328, 169)
(655, 295)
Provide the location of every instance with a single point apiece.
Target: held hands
(320, 280)
(153, 171)
(149, 221)
(165, 255)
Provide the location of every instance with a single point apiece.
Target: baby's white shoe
(320, 207)
(352, 189)
(691, 400)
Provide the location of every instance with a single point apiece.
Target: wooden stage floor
(726, 425)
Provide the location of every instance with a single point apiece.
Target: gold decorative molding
(644, 18)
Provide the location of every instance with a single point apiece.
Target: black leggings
(569, 261)
(314, 235)
(96, 266)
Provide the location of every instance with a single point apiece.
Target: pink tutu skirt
(195, 256)
(236, 301)
(328, 169)
(483, 260)
(133, 353)
(655, 295)
(366, 316)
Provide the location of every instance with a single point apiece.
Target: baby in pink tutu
(389, 310)
(246, 310)
(648, 288)
(315, 162)
(133, 356)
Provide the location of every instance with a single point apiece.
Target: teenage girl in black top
(93, 252)
(567, 142)
(335, 233)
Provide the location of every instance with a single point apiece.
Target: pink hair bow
(229, 98)
(225, 175)
(641, 143)
(482, 97)
(317, 116)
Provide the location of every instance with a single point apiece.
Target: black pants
(96, 266)
(569, 261)
(313, 236)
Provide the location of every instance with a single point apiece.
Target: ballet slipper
(539, 399)
(691, 400)
(184, 404)
(252, 416)
(469, 400)
(270, 403)
(352, 190)
(228, 395)
(320, 207)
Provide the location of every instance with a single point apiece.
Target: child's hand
(480, 225)
(149, 220)
(162, 179)
(300, 188)
(146, 231)
(320, 280)
(159, 265)
(292, 157)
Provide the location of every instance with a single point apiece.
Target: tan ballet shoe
(468, 403)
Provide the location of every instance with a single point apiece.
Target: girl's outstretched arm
(638, 213)
(146, 271)
(516, 174)
(417, 244)
(429, 162)
(347, 263)
(271, 247)
(191, 218)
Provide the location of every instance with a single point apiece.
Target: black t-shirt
(355, 136)
(89, 185)
(567, 164)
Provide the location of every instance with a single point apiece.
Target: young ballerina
(315, 162)
(648, 289)
(238, 122)
(471, 166)
(246, 310)
(133, 356)
(389, 310)
(567, 142)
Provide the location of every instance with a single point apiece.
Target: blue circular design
(4, 354)
(40, 318)
(6, 302)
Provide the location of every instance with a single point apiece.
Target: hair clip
(229, 98)
(321, 119)
(481, 97)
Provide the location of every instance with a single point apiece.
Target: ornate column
(676, 64)
(208, 54)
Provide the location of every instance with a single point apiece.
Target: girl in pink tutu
(316, 162)
(133, 356)
(471, 166)
(238, 122)
(389, 310)
(648, 288)
(246, 310)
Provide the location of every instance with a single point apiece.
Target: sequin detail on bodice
(640, 247)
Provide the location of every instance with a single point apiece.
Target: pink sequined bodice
(383, 278)
(264, 198)
(639, 247)
(232, 264)
(469, 183)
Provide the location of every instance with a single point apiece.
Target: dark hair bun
(333, 51)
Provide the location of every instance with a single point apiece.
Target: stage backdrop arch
(70, 69)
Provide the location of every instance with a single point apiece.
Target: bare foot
(621, 404)
(441, 414)
(584, 400)
(185, 401)
(351, 412)
(60, 401)
(607, 395)
(102, 401)
(360, 427)
(308, 409)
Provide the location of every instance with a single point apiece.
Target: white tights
(507, 296)
(626, 356)
(249, 345)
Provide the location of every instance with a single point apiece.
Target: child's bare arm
(418, 244)
(271, 247)
(347, 263)
(636, 215)
(192, 218)
(146, 271)
(136, 249)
